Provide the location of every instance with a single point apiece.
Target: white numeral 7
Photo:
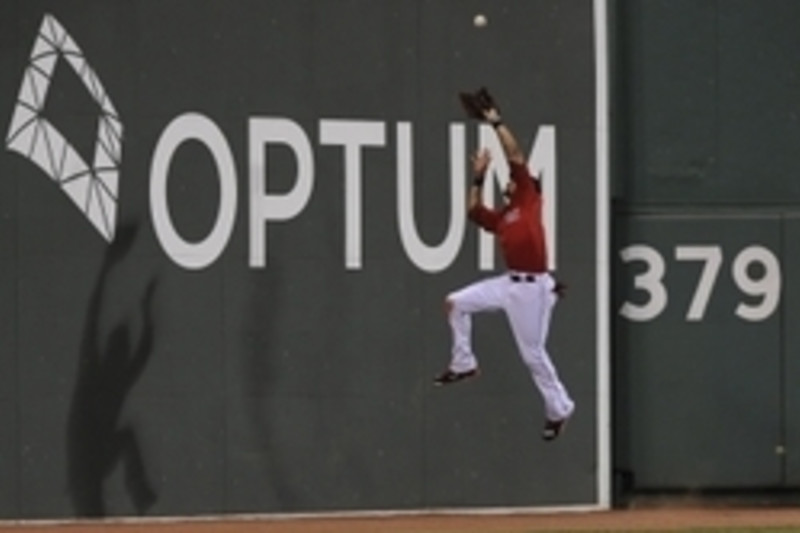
(712, 257)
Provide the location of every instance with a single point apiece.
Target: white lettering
(353, 135)
(263, 207)
(430, 258)
(650, 281)
(711, 257)
(767, 286)
(192, 126)
(265, 133)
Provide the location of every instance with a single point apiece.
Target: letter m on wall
(93, 189)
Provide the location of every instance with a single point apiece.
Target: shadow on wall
(262, 374)
(96, 442)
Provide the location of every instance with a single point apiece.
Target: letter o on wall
(193, 255)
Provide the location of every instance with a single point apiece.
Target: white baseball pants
(528, 306)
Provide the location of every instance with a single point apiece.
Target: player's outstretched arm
(484, 217)
(482, 105)
(480, 162)
(507, 139)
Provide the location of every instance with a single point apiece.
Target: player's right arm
(477, 211)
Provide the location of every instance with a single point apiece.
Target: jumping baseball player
(527, 292)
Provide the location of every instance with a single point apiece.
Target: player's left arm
(508, 141)
(480, 163)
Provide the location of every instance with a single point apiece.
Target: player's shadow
(96, 442)
(262, 373)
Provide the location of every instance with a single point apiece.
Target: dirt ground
(636, 519)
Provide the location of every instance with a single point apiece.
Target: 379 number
(764, 288)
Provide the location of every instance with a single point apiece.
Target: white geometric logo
(93, 189)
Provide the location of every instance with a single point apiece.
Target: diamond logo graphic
(93, 188)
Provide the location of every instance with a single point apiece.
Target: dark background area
(132, 385)
(705, 154)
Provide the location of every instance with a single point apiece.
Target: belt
(520, 278)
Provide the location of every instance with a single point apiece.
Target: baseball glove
(477, 103)
(471, 105)
(485, 100)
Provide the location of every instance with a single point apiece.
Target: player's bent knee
(448, 306)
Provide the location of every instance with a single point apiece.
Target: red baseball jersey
(518, 225)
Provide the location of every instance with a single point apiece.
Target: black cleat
(448, 376)
(554, 428)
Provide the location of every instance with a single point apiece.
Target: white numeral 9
(767, 287)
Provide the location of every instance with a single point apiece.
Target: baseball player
(527, 292)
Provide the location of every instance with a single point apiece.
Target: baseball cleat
(448, 376)
(554, 428)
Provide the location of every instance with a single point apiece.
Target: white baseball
(480, 20)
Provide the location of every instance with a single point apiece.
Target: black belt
(519, 278)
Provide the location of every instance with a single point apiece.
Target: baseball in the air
(480, 20)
